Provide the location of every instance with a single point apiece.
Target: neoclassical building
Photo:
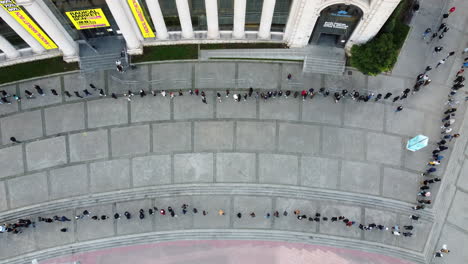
(36, 29)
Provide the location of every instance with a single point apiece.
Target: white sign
(335, 25)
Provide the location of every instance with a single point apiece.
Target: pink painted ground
(226, 251)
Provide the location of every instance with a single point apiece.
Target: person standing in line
(39, 90)
(218, 95)
(227, 93)
(14, 140)
(289, 76)
(399, 108)
(142, 93)
(396, 98)
(442, 61)
(92, 86)
(388, 95)
(378, 97)
(87, 93)
(54, 92)
(437, 49)
(77, 94)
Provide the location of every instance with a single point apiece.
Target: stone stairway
(217, 234)
(101, 54)
(215, 189)
(325, 60)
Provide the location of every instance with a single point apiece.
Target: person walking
(442, 61)
(14, 140)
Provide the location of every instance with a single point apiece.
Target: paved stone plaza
(348, 158)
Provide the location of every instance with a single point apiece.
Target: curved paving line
(218, 234)
(285, 191)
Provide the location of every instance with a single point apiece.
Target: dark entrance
(335, 25)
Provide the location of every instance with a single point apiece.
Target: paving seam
(172, 169)
(215, 161)
(130, 172)
(151, 138)
(307, 123)
(296, 154)
(109, 143)
(85, 114)
(257, 167)
(267, 190)
(215, 234)
(88, 177)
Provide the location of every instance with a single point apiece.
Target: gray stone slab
(248, 204)
(150, 108)
(28, 190)
(151, 170)
(197, 167)
(462, 178)
(110, 175)
(299, 138)
(212, 219)
(280, 108)
(22, 126)
(169, 137)
(320, 172)
(173, 75)
(408, 122)
(384, 84)
(130, 140)
(229, 108)
(3, 197)
(421, 231)
(299, 80)
(68, 182)
(11, 161)
(47, 235)
(456, 242)
(368, 115)
(181, 222)
(88, 229)
(259, 75)
(46, 153)
(192, 107)
(278, 169)
(214, 135)
(384, 148)
(290, 222)
(77, 82)
(17, 245)
(343, 143)
(215, 75)
(459, 211)
(417, 160)
(132, 80)
(89, 146)
(322, 110)
(46, 84)
(107, 112)
(135, 225)
(379, 217)
(255, 135)
(9, 108)
(235, 167)
(339, 228)
(64, 118)
(360, 177)
(400, 185)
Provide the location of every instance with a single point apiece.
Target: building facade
(36, 29)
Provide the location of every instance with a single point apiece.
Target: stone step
(218, 234)
(294, 192)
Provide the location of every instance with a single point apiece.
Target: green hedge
(34, 69)
(381, 53)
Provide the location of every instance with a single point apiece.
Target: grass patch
(243, 46)
(34, 69)
(255, 59)
(170, 52)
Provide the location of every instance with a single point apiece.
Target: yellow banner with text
(89, 18)
(145, 29)
(27, 23)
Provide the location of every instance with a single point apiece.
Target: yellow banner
(89, 18)
(25, 21)
(145, 29)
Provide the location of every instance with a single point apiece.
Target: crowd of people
(424, 194)
(19, 226)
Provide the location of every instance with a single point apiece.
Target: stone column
(35, 46)
(239, 19)
(158, 19)
(65, 43)
(9, 50)
(267, 17)
(185, 19)
(212, 18)
(128, 32)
